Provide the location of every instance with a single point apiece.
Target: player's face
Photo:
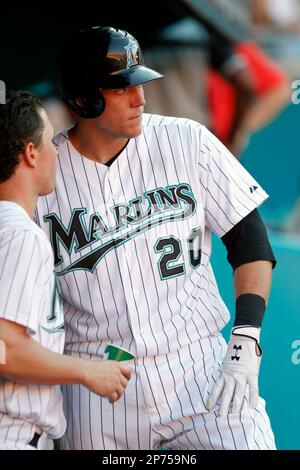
(122, 116)
(48, 158)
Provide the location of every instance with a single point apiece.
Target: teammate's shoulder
(156, 120)
(12, 215)
(15, 224)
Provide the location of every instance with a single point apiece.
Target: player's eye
(121, 91)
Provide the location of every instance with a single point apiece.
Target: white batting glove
(240, 368)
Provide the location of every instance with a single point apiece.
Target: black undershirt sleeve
(248, 241)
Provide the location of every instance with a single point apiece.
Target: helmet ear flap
(89, 106)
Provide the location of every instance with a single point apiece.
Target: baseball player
(136, 199)
(31, 315)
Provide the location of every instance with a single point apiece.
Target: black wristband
(249, 310)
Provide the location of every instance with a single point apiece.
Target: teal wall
(273, 158)
(280, 339)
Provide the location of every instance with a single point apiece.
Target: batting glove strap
(250, 332)
(240, 369)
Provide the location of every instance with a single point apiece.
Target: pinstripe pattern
(26, 295)
(168, 313)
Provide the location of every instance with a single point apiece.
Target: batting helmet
(100, 57)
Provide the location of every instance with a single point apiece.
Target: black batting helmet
(100, 57)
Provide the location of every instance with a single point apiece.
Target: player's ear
(30, 155)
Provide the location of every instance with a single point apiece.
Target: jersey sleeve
(229, 191)
(23, 275)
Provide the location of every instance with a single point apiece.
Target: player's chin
(134, 130)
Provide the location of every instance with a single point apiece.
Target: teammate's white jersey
(29, 297)
(132, 241)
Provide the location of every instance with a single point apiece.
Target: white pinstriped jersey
(132, 241)
(29, 297)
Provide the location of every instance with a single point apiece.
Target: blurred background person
(246, 90)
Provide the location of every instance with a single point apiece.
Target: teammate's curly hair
(20, 123)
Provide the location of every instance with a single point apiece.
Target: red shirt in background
(221, 95)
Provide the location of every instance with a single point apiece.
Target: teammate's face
(122, 116)
(48, 156)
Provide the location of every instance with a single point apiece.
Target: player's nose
(138, 98)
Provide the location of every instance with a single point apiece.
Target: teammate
(31, 316)
(136, 199)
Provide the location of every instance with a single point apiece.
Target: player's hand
(107, 378)
(240, 368)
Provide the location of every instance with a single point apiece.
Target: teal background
(274, 161)
(273, 158)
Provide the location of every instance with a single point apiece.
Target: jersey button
(127, 254)
(136, 292)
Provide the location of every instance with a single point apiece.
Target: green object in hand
(114, 353)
